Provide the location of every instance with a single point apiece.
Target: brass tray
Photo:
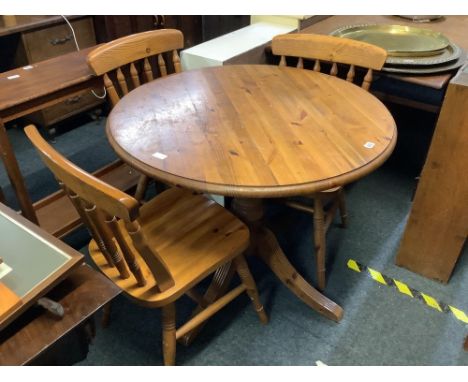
(398, 40)
(420, 18)
(450, 53)
(427, 69)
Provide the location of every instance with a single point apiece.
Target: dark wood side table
(27, 40)
(23, 91)
(37, 338)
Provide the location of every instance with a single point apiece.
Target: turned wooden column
(250, 211)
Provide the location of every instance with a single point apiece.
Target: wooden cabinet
(196, 28)
(26, 40)
(55, 40)
(32, 39)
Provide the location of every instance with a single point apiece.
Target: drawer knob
(72, 100)
(60, 41)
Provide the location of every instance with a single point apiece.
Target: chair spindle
(282, 61)
(300, 63)
(155, 263)
(334, 70)
(176, 61)
(367, 80)
(162, 65)
(76, 201)
(134, 74)
(110, 88)
(104, 233)
(317, 66)
(148, 70)
(127, 252)
(351, 73)
(122, 82)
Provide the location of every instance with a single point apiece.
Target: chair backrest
(335, 50)
(129, 61)
(100, 205)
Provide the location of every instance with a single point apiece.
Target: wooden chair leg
(2, 197)
(106, 312)
(465, 346)
(246, 277)
(141, 187)
(342, 208)
(319, 240)
(169, 334)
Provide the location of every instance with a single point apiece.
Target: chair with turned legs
(159, 251)
(320, 51)
(130, 61)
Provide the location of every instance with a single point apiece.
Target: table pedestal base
(265, 245)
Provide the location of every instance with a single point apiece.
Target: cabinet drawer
(69, 107)
(53, 41)
(73, 105)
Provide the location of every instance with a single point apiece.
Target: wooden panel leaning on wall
(437, 227)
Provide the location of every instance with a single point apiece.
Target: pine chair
(331, 51)
(130, 61)
(159, 251)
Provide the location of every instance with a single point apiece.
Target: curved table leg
(266, 246)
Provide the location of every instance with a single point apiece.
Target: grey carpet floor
(380, 325)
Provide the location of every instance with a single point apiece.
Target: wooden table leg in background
(16, 178)
(265, 245)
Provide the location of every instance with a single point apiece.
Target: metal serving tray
(398, 40)
(451, 53)
(427, 69)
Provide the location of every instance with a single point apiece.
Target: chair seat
(192, 234)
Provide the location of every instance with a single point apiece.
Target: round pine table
(253, 132)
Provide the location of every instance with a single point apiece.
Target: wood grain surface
(252, 130)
